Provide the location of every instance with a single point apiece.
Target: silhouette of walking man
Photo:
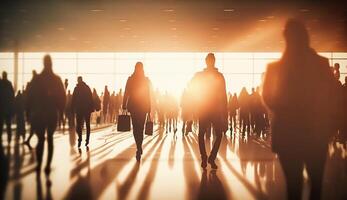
(46, 98)
(137, 101)
(6, 106)
(208, 88)
(300, 91)
(83, 105)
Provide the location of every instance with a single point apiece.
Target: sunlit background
(169, 71)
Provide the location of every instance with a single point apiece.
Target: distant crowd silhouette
(301, 104)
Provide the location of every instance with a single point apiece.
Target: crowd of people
(298, 100)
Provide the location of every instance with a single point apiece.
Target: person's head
(69, 92)
(253, 90)
(139, 69)
(336, 66)
(106, 88)
(4, 75)
(296, 34)
(79, 79)
(210, 60)
(235, 94)
(34, 73)
(47, 63)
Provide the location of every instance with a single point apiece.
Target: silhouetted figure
(344, 115)
(105, 103)
(138, 102)
(6, 106)
(301, 92)
(244, 103)
(19, 108)
(83, 105)
(210, 100)
(68, 110)
(186, 112)
(97, 106)
(337, 71)
(28, 109)
(46, 98)
(233, 105)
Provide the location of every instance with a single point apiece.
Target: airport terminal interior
(102, 42)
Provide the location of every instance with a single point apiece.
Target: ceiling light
(228, 10)
(173, 29)
(168, 10)
(60, 28)
(127, 29)
(96, 10)
(123, 20)
(215, 28)
(172, 20)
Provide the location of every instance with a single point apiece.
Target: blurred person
(301, 92)
(186, 112)
(68, 110)
(6, 106)
(233, 105)
(97, 106)
(337, 71)
(137, 101)
(244, 103)
(105, 103)
(19, 110)
(46, 98)
(28, 109)
(82, 105)
(210, 100)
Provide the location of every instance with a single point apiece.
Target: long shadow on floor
(101, 176)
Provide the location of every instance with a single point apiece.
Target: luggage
(149, 125)
(123, 122)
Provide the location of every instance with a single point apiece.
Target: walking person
(46, 98)
(208, 87)
(301, 82)
(137, 101)
(82, 105)
(6, 106)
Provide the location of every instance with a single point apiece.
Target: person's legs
(40, 132)
(87, 119)
(50, 144)
(202, 131)
(315, 165)
(292, 168)
(8, 128)
(138, 121)
(79, 126)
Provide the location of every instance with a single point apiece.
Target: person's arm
(224, 104)
(268, 88)
(126, 95)
(61, 95)
(150, 93)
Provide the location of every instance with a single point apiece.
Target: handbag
(149, 125)
(123, 122)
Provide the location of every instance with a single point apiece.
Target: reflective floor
(170, 169)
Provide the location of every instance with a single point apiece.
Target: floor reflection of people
(211, 187)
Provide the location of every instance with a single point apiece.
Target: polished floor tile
(170, 169)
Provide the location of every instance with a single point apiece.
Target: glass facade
(169, 71)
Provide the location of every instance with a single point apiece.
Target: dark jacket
(7, 97)
(209, 93)
(137, 94)
(82, 99)
(299, 90)
(46, 97)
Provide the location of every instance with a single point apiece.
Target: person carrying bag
(137, 101)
